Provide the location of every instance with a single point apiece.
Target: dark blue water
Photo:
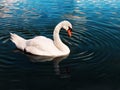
(94, 61)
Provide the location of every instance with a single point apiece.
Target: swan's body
(44, 46)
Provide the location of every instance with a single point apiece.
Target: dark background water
(94, 61)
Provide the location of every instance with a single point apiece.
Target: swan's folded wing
(41, 45)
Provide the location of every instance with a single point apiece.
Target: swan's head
(68, 27)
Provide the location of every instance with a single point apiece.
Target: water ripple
(95, 39)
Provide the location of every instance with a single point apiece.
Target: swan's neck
(57, 41)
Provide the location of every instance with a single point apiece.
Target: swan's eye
(70, 29)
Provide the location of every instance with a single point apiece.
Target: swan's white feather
(18, 41)
(41, 45)
(44, 46)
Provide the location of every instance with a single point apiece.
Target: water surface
(94, 61)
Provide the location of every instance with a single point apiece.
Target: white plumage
(41, 45)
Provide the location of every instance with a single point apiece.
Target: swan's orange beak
(69, 31)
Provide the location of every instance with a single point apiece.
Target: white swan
(44, 46)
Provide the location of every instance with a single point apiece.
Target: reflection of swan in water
(38, 58)
(56, 60)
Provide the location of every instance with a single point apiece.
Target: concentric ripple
(91, 43)
(95, 44)
(96, 33)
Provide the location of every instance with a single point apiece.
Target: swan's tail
(18, 41)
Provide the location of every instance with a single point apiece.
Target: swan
(43, 46)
